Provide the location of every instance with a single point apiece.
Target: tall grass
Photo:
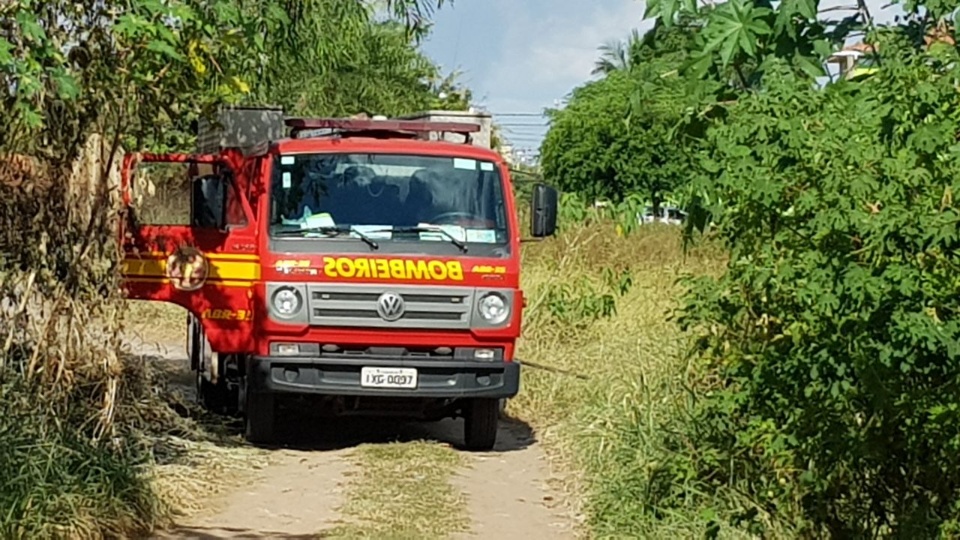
(617, 371)
(75, 410)
(55, 482)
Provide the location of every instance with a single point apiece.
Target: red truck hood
(392, 269)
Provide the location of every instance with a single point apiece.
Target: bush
(56, 482)
(829, 358)
(71, 461)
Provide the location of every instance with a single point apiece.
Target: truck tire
(260, 418)
(217, 397)
(213, 397)
(194, 338)
(481, 418)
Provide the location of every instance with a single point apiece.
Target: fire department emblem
(187, 268)
(390, 306)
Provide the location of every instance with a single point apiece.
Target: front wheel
(480, 424)
(217, 397)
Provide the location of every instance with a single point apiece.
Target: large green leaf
(735, 29)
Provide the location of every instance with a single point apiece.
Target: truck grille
(356, 305)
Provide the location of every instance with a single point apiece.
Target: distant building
(485, 120)
(860, 58)
(853, 60)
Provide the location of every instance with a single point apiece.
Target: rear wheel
(194, 337)
(261, 416)
(480, 424)
(213, 397)
(216, 397)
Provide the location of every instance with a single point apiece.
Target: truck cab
(366, 267)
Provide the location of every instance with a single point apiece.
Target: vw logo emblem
(390, 306)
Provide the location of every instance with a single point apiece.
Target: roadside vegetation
(808, 384)
(92, 443)
(783, 366)
(607, 361)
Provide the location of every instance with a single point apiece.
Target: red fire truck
(370, 267)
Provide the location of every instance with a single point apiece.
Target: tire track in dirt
(508, 493)
(299, 492)
(296, 496)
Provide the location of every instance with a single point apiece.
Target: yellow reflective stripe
(209, 256)
(234, 270)
(209, 283)
(219, 270)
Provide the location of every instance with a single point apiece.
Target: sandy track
(507, 491)
(297, 495)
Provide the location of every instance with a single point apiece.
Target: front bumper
(448, 379)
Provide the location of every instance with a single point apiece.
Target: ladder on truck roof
(379, 128)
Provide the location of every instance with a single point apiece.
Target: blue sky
(519, 56)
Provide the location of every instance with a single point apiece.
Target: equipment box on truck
(361, 263)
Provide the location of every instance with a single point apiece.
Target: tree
(587, 148)
(384, 74)
(827, 361)
(617, 55)
(617, 136)
(326, 58)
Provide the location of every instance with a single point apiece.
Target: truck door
(188, 238)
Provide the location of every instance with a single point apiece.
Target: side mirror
(208, 205)
(543, 213)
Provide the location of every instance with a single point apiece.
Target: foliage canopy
(825, 391)
(616, 138)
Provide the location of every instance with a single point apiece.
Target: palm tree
(618, 55)
(414, 13)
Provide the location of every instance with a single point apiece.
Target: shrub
(71, 460)
(829, 357)
(57, 482)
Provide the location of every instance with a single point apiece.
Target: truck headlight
(287, 302)
(493, 308)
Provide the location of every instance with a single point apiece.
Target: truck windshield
(388, 197)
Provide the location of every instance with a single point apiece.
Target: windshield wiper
(332, 230)
(453, 239)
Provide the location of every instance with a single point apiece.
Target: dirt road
(381, 479)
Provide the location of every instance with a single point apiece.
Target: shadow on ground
(299, 429)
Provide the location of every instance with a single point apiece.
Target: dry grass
(192, 482)
(156, 322)
(403, 490)
(597, 430)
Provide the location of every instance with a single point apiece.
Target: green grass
(601, 432)
(403, 491)
(55, 482)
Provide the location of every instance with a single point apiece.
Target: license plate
(372, 377)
